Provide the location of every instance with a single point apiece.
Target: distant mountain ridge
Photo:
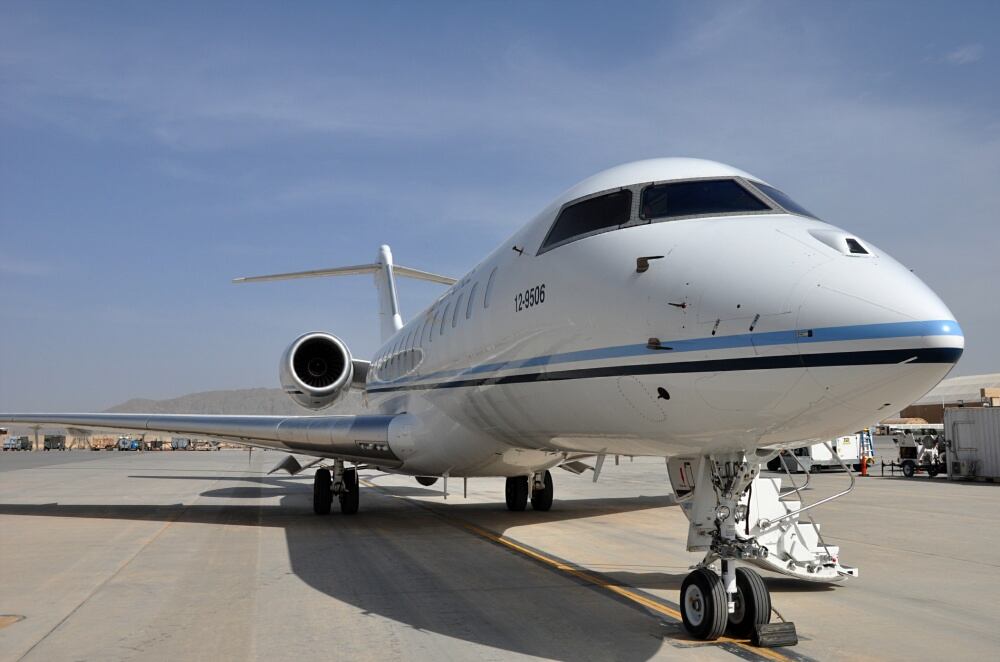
(269, 401)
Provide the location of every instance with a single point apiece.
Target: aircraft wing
(354, 438)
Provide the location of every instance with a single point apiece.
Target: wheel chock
(772, 635)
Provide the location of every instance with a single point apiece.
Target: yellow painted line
(626, 593)
(9, 619)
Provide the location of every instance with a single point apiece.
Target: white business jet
(678, 308)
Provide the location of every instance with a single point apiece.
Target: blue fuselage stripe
(883, 331)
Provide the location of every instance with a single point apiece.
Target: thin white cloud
(966, 54)
(14, 266)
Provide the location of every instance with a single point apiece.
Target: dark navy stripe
(711, 343)
(878, 357)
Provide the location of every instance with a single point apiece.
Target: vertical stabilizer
(390, 321)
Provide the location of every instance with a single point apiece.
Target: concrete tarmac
(200, 555)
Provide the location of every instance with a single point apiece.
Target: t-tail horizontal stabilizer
(385, 272)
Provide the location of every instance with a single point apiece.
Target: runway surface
(200, 555)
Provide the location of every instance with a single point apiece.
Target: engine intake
(316, 370)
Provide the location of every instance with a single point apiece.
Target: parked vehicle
(816, 457)
(127, 444)
(921, 449)
(21, 443)
(55, 442)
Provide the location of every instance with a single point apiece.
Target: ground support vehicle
(926, 454)
(17, 444)
(54, 442)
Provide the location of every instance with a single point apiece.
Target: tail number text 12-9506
(533, 296)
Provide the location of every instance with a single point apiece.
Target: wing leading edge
(355, 438)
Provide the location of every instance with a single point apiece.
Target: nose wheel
(751, 604)
(705, 604)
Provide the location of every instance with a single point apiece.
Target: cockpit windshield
(783, 200)
(612, 210)
(697, 198)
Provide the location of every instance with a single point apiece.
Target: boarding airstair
(768, 525)
(793, 540)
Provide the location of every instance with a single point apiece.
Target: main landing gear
(342, 483)
(537, 487)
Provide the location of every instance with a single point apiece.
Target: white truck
(817, 457)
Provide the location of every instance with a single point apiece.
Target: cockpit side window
(782, 199)
(697, 198)
(589, 217)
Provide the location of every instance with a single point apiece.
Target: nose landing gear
(735, 515)
(735, 598)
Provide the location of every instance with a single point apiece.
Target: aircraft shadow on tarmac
(415, 566)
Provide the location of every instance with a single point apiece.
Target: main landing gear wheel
(703, 604)
(322, 492)
(517, 493)
(427, 481)
(752, 603)
(541, 499)
(349, 494)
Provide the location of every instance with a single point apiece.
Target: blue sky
(149, 152)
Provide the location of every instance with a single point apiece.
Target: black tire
(814, 468)
(427, 481)
(322, 492)
(775, 464)
(541, 499)
(753, 603)
(517, 493)
(350, 497)
(857, 468)
(908, 469)
(703, 605)
(932, 470)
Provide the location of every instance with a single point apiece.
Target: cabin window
(782, 199)
(489, 288)
(472, 298)
(588, 217)
(408, 352)
(697, 198)
(444, 318)
(458, 307)
(418, 340)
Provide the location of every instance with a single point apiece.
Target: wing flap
(356, 438)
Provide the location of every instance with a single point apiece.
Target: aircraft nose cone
(874, 337)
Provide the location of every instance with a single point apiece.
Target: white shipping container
(974, 433)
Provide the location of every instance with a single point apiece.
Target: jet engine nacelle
(316, 370)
